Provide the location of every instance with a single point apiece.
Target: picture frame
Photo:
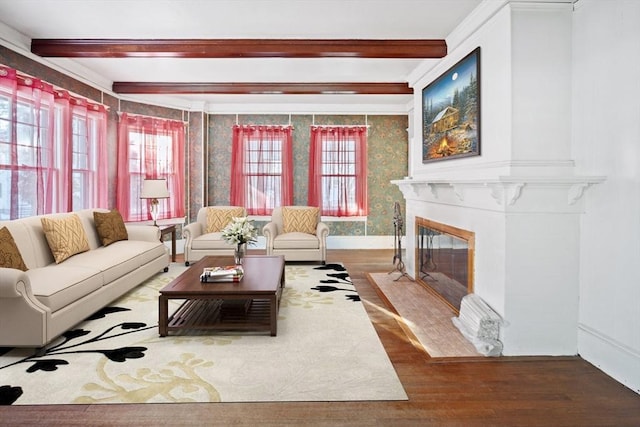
(451, 112)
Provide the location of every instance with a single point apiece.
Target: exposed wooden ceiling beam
(263, 88)
(238, 48)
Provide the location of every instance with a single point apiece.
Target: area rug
(326, 350)
(423, 316)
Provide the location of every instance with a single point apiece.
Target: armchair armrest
(322, 231)
(147, 233)
(192, 231)
(270, 231)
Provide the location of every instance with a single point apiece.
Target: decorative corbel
(434, 190)
(514, 192)
(506, 193)
(458, 191)
(576, 191)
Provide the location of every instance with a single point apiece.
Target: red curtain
(151, 148)
(338, 170)
(86, 124)
(261, 168)
(36, 148)
(28, 148)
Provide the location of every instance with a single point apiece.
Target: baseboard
(616, 359)
(333, 242)
(360, 242)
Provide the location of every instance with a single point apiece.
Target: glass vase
(239, 252)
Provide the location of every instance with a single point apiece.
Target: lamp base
(154, 211)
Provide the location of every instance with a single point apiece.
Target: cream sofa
(294, 244)
(200, 241)
(38, 305)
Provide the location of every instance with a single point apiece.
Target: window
(150, 148)
(27, 160)
(338, 170)
(261, 168)
(88, 167)
(81, 163)
(36, 176)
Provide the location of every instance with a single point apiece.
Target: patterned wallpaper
(208, 149)
(387, 155)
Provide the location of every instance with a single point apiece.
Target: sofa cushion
(210, 241)
(299, 220)
(110, 226)
(57, 286)
(9, 253)
(120, 258)
(65, 236)
(296, 240)
(218, 218)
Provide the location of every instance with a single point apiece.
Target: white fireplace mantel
(527, 248)
(503, 193)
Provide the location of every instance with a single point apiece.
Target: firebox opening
(444, 260)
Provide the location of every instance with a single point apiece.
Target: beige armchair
(204, 237)
(297, 233)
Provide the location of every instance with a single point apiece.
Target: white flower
(240, 230)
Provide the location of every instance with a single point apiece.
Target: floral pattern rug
(326, 350)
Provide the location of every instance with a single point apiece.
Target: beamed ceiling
(217, 51)
(254, 48)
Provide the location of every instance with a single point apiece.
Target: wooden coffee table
(249, 305)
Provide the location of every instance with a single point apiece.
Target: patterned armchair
(297, 233)
(204, 237)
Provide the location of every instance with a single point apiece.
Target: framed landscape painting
(451, 112)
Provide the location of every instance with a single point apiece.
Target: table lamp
(154, 189)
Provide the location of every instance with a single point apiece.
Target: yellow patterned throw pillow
(301, 220)
(65, 236)
(218, 218)
(9, 254)
(110, 226)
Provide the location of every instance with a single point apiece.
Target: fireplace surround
(526, 249)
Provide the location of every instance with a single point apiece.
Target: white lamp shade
(154, 189)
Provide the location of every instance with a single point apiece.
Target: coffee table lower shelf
(219, 314)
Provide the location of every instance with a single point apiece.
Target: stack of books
(230, 273)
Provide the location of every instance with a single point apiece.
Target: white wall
(606, 140)
(520, 197)
(557, 254)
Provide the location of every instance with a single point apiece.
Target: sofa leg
(186, 263)
(166, 269)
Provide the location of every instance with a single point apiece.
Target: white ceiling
(236, 19)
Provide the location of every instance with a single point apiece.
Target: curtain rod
(151, 117)
(343, 126)
(366, 123)
(59, 88)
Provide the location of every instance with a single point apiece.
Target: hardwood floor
(545, 391)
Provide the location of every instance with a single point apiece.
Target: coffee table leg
(273, 303)
(163, 315)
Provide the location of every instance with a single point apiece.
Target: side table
(166, 229)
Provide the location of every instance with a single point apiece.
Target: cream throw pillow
(9, 253)
(218, 218)
(301, 220)
(65, 236)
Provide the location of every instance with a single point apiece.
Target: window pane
(263, 173)
(339, 177)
